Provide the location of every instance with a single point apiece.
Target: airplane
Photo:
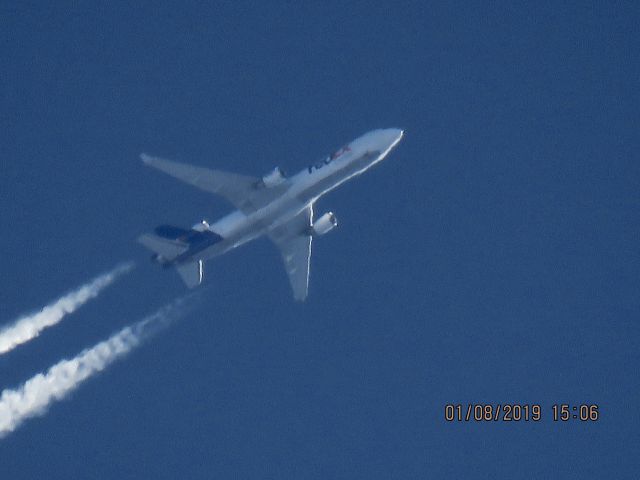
(275, 205)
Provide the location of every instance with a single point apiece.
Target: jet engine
(202, 226)
(273, 178)
(324, 224)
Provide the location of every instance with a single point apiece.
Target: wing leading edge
(242, 191)
(294, 242)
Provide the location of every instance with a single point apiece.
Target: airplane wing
(295, 246)
(244, 192)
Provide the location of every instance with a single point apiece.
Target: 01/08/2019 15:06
(519, 412)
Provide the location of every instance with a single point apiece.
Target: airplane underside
(274, 205)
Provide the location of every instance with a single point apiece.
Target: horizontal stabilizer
(167, 249)
(194, 239)
(171, 232)
(191, 272)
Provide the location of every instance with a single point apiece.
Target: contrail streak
(30, 326)
(36, 394)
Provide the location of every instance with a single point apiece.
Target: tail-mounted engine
(202, 226)
(324, 224)
(273, 178)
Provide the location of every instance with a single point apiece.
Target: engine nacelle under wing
(324, 224)
(273, 178)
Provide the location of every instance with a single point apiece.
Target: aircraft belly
(254, 226)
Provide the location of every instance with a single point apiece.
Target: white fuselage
(303, 189)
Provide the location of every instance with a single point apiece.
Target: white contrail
(30, 326)
(35, 395)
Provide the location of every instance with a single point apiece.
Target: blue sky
(493, 258)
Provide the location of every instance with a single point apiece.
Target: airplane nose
(379, 140)
(393, 135)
